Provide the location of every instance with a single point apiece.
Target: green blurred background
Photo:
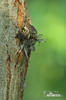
(47, 65)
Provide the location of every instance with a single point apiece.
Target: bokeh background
(47, 65)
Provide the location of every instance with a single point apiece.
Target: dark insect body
(28, 38)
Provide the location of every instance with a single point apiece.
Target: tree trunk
(13, 65)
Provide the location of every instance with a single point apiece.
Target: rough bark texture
(13, 65)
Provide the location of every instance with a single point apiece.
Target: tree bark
(13, 64)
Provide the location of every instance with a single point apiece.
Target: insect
(27, 37)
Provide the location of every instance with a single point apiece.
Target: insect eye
(23, 30)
